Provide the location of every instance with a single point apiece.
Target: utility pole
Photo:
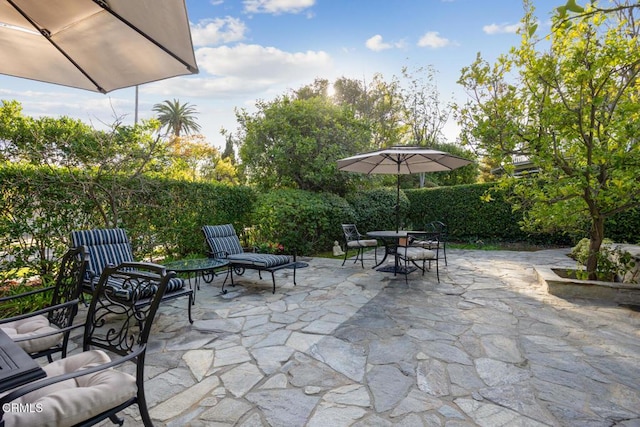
(135, 120)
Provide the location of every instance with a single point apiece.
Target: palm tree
(177, 117)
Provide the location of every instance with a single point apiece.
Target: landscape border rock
(554, 284)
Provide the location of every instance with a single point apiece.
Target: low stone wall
(620, 293)
(633, 275)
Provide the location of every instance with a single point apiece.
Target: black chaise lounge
(224, 243)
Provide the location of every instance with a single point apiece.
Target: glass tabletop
(195, 264)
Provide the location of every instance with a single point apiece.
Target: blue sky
(250, 50)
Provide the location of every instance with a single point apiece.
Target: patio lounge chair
(84, 389)
(46, 331)
(111, 247)
(224, 243)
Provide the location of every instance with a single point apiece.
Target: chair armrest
(41, 311)
(218, 254)
(48, 334)
(28, 388)
(26, 294)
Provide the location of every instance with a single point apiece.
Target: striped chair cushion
(111, 246)
(105, 246)
(222, 239)
(259, 260)
(116, 287)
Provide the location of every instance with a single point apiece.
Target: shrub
(375, 209)
(303, 222)
(469, 217)
(613, 262)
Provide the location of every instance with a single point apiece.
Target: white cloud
(245, 69)
(375, 43)
(251, 60)
(432, 39)
(501, 28)
(218, 31)
(277, 7)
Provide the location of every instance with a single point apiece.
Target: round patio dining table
(390, 239)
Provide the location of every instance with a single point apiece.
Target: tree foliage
(572, 109)
(294, 143)
(177, 118)
(98, 161)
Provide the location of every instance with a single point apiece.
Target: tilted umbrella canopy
(401, 161)
(97, 45)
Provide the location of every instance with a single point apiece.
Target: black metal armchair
(415, 256)
(435, 237)
(354, 240)
(84, 389)
(46, 331)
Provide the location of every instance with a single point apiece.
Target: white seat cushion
(30, 327)
(415, 254)
(69, 402)
(426, 243)
(362, 243)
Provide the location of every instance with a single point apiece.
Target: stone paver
(352, 347)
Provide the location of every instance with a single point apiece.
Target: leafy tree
(228, 152)
(423, 113)
(573, 110)
(177, 118)
(295, 143)
(379, 103)
(98, 161)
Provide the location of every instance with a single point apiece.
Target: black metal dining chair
(84, 389)
(355, 240)
(45, 332)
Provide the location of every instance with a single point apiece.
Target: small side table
(16, 366)
(200, 268)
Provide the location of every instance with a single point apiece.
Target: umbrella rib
(103, 4)
(47, 35)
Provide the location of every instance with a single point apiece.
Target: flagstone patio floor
(348, 346)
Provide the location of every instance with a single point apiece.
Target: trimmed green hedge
(469, 218)
(466, 215)
(375, 209)
(39, 207)
(302, 221)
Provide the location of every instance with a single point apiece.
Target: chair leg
(357, 255)
(116, 419)
(273, 278)
(229, 274)
(144, 411)
(346, 254)
(191, 302)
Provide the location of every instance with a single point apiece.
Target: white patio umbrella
(97, 45)
(401, 160)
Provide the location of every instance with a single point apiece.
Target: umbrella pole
(398, 202)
